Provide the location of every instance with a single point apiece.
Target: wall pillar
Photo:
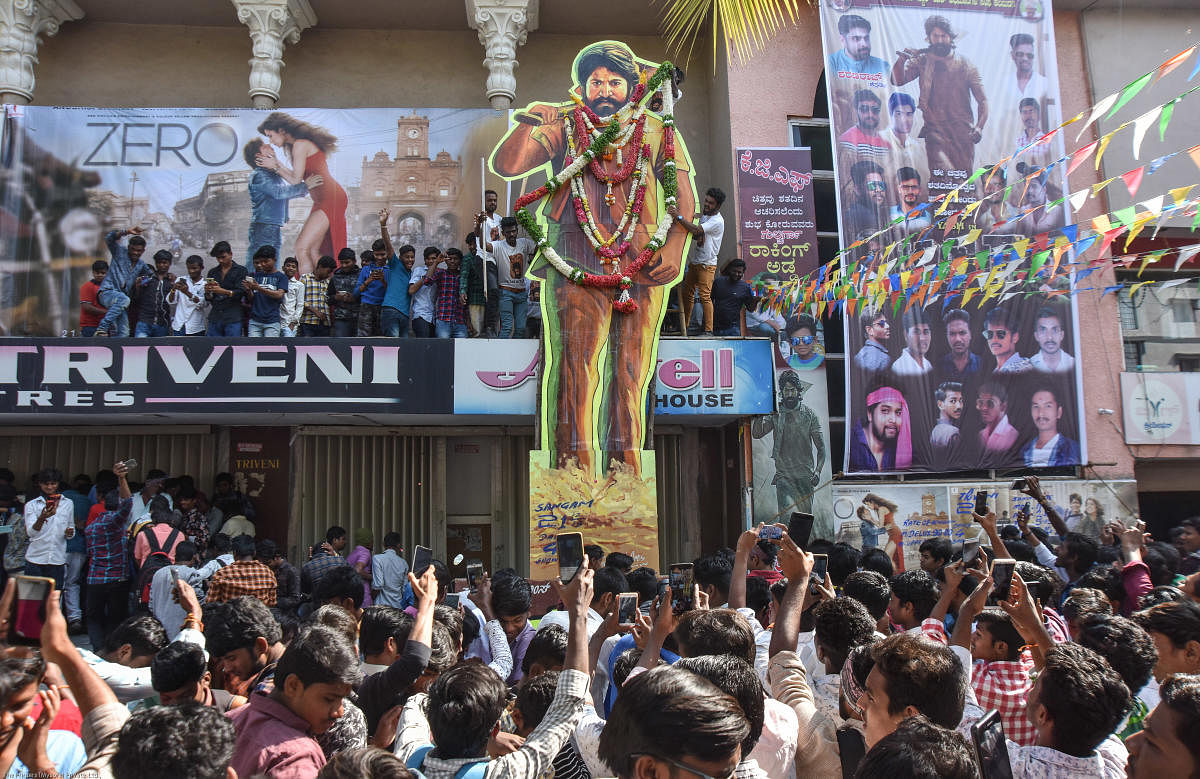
(502, 26)
(272, 24)
(22, 23)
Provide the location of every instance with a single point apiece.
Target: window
(1188, 363)
(1127, 310)
(1182, 311)
(379, 193)
(412, 188)
(444, 191)
(1134, 350)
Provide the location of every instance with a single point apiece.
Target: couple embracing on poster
(273, 183)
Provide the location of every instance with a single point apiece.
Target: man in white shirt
(389, 573)
(512, 256)
(293, 299)
(1048, 332)
(190, 315)
(707, 233)
(49, 522)
(917, 337)
(163, 604)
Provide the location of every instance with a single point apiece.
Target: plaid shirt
(1004, 685)
(315, 297)
(314, 569)
(447, 308)
(243, 577)
(106, 545)
(930, 628)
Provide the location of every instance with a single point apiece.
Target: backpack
(475, 770)
(158, 558)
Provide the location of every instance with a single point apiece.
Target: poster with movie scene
(923, 94)
(792, 467)
(895, 518)
(308, 182)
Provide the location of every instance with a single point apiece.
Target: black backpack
(157, 559)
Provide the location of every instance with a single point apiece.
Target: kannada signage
(777, 229)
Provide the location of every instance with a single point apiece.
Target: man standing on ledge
(708, 231)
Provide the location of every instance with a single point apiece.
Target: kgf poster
(777, 229)
(920, 98)
(190, 177)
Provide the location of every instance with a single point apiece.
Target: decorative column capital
(503, 26)
(22, 23)
(272, 24)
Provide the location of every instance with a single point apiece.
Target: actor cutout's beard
(941, 49)
(789, 402)
(604, 106)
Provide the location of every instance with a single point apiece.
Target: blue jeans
(219, 330)
(313, 331)
(264, 235)
(393, 323)
(116, 302)
(87, 332)
(450, 330)
(732, 330)
(512, 310)
(147, 330)
(264, 329)
(183, 331)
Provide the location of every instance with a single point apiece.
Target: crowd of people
(212, 655)
(445, 295)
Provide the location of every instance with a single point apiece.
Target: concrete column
(22, 23)
(502, 26)
(272, 23)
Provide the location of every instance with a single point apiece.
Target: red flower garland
(627, 167)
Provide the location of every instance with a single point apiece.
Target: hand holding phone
(627, 609)
(570, 555)
(991, 747)
(28, 614)
(474, 574)
(682, 598)
(981, 504)
(1002, 575)
(422, 559)
(800, 528)
(770, 533)
(820, 568)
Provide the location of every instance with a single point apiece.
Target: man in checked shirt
(460, 732)
(244, 576)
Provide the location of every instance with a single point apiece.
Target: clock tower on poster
(412, 137)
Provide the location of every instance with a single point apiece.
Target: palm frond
(744, 25)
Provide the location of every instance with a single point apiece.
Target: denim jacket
(269, 195)
(122, 271)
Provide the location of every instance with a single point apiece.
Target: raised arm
(1033, 488)
(384, 216)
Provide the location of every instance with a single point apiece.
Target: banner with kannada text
(777, 228)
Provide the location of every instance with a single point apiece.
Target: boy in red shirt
(90, 310)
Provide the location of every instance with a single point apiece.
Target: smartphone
(681, 587)
(970, 552)
(981, 506)
(852, 748)
(422, 559)
(771, 533)
(991, 748)
(820, 568)
(1035, 590)
(627, 608)
(1002, 575)
(570, 555)
(29, 610)
(1020, 485)
(130, 464)
(474, 574)
(800, 528)
(664, 587)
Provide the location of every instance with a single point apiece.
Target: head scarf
(904, 438)
(363, 536)
(851, 690)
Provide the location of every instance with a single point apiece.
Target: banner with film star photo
(920, 98)
(190, 177)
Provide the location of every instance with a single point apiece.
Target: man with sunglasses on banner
(998, 435)
(806, 353)
(1001, 335)
(883, 441)
(873, 357)
(947, 81)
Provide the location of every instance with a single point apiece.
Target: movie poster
(190, 177)
(893, 517)
(920, 98)
(792, 467)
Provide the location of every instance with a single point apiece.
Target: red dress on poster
(331, 199)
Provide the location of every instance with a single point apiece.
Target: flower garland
(601, 142)
(627, 225)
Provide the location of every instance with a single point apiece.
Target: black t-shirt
(729, 297)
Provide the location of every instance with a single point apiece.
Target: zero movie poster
(193, 176)
(921, 96)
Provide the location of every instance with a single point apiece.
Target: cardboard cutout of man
(798, 446)
(598, 362)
